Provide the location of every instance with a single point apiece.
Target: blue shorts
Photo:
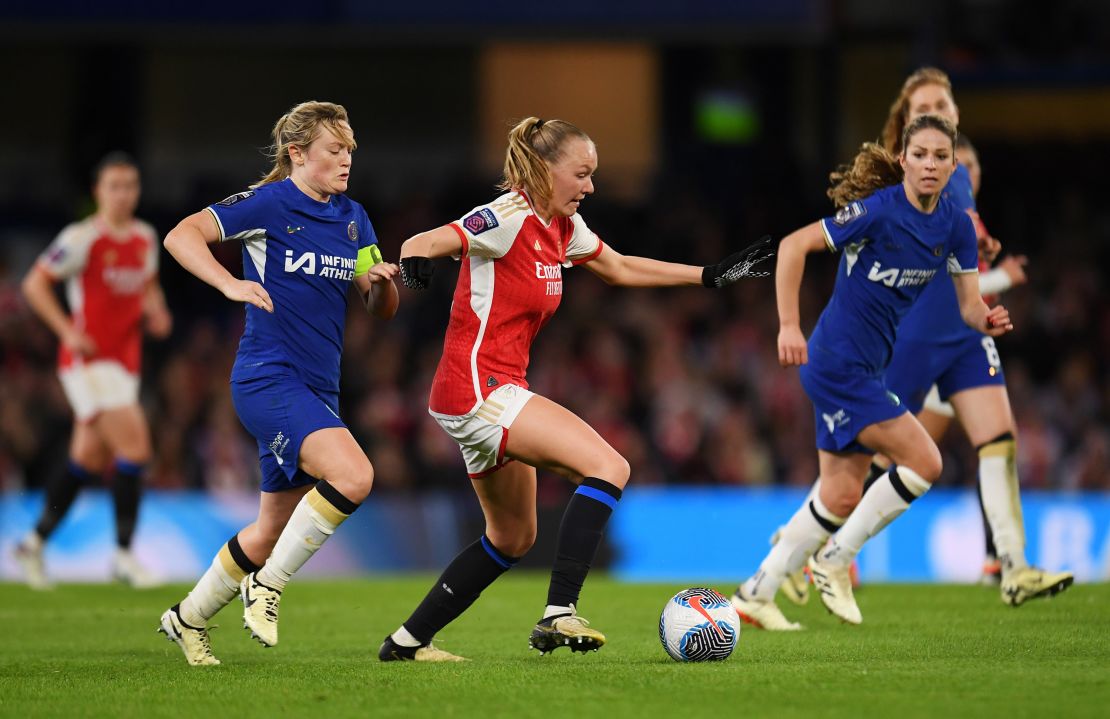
(280, 410)
(844, 403)
(969, 362)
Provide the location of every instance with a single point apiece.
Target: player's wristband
(739, 265)
(416, 272)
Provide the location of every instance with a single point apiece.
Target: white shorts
(934, 404)
(482, 433)
(93, 387)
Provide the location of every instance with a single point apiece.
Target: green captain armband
(367, 257)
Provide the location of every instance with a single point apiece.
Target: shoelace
(202, 638)
(271, 610)
(572, 618)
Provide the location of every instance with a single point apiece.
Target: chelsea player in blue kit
(935, 348)
(304, 243)
(896, 232)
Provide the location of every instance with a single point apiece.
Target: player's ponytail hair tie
(538, 125)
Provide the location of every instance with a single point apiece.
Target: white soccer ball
(699, 625)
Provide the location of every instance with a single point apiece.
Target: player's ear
(296, 156)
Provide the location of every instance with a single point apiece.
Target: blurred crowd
(684, 382)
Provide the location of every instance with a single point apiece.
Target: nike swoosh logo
(248, 600)
(695, 604)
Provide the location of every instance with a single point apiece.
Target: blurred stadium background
(716, 122)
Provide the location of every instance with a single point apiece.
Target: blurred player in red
(109, 263)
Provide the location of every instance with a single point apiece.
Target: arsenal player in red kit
(109, 264)
(513, 253)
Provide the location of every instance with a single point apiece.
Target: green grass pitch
(929, 651)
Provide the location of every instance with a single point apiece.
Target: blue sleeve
(369, 254)
(366, 235)
(852, 222)
(241, 216)
(963, 253)
(959, 189)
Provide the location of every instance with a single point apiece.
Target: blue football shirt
(305, 253)
(936, 316)
(891, 251)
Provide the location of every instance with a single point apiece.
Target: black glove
(739, 265)
(416, 272)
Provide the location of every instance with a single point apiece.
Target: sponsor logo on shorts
(835, 420)
(278, 445)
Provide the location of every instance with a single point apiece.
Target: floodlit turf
(935, 651)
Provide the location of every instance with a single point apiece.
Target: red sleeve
(592, 256)
(462, 236)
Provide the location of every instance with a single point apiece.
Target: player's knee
(138, 456)
(513, 541)
(359, 481)
(843, 498)
(614, 469)
(93, 463)
(929, 466)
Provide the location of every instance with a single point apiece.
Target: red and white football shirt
(106, 274)
(510, 284)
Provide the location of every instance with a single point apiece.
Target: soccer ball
(699, 625)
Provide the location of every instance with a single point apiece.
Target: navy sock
(468, 574)
(580, 535)
(61, 490)
(126, 489)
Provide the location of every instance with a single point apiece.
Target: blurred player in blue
(304, 242)
(897, 232)
(938, 356)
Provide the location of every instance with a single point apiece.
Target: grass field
(947, 651)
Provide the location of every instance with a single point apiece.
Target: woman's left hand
(382, 272)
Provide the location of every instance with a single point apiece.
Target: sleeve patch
(237, 197)
(56, 254)
(849, 212)
(480, 221)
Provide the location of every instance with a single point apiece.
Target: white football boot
(834, 583)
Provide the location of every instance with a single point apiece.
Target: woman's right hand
(78, 342)
(249, 292)
(793, 350)
(1014, 267)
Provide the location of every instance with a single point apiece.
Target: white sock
(312, 522)
(554, 610)
(807, 530)
(33, 541)
(215, 589)
(1002, 500)
(888, 497)
(403, 638)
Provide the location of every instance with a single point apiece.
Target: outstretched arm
(789, 269)
(632, 271)
(188, 243)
